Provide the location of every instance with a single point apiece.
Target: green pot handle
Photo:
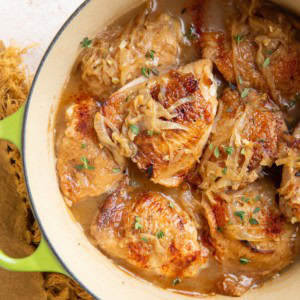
(42, 260)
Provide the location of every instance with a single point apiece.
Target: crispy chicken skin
(250, 235)
(117, 56)
(79, 143)
(142, 228)
(162, 124)
(290, 186)
(246, 137)
(261, 50)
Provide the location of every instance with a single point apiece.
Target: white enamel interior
(86, 263)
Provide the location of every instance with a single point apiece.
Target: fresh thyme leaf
(150, 54)
(241, 81)
(240, 214)
(266, 62)
(116, 170)
(171, 204)
(86, 43)
(229, 150)
(210, 146)
(244, 261)
(83, 146)
(217, 152)
(137, 224)
(160, 234)
(256, 210)
(150, 132)
(245, 199)
(135, 129)
(245, 93)
(224, 171)
(243, 151)
(238, 38)
(145, 71)
(79, 167)
(253, 221)
(144, 239)
(85, 164)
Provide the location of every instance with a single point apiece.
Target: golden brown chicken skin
(149, 231)
(245, 138)
(252, 239)
(260, 50)
(290, 186)
(84, 170)
(162, 124)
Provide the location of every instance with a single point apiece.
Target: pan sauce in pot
(239, 226)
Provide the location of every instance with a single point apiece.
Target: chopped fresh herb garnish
(135, 129)
(243, 151)
(245, 199)
(238, 38)
(220, 229)
(245, 93)
(240, 214)
(261, 140)
(85, 164)
(224, 171)
(266, 62)
(176, 281)
(229, 150)
(253, 221)
(257, 198)
(192, 32)
(137, 224)
(297, 174)
(217, 152)
(116, 170)
(244, 261)
(144, 239)
(241, 81)
(150, 132)
(146, 72)
(150, 54)
(83, 146)
(155, 71)
(256, 210)
(133, 183)
(210, 146)
(171, 204)
(150, 171)
(160, 234)
(86, 43)
(229, 109)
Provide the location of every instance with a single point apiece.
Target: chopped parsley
(241, 81)
(135, 129)
(150, 54)
(160, 234)
(171, 204)
(245, 92)
(240, 214)
(86, 43)
(266, 62)
(245, 199)
(176, 281)
(238, 38)
(146, 72)
(256, 210)
(229, 150)
(83, 146)
(243, 151)
(244, 261)
(116, 170)
(85, 164)
(150, 132)
(210, 146)
(253, 221)
(144, 239)
(217, 152)
(137, 224)
(224, 171)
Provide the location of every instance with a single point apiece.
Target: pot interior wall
(93, 270)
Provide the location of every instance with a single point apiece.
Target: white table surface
(24, 22)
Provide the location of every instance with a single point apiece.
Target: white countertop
(24, 22)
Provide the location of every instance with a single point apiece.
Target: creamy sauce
(84, 211)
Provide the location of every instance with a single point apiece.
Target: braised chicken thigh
(249, 233)
(245, 138)
(150, 231)
(84, 169)
(290, 186)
